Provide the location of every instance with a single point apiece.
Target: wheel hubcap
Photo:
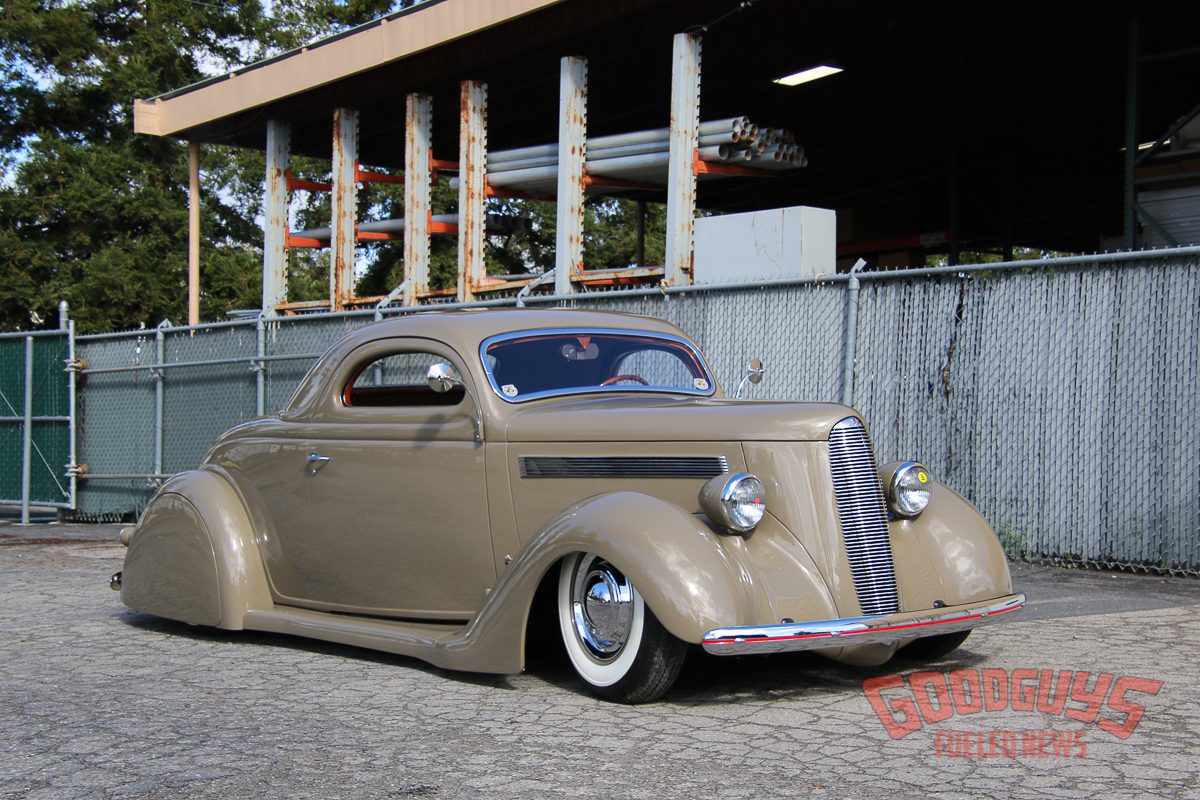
(602, 599)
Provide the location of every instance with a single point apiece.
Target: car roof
(465, 329)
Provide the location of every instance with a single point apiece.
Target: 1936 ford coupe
(432, 471)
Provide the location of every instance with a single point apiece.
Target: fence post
(260, 367)
(157, 372)
(851, 341)
(27, 431)
(72, 372)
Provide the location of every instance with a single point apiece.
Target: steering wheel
(625, 377)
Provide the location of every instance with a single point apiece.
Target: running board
(416, 639)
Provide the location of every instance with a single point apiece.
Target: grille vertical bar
(859, 496)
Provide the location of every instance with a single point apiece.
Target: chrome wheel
(602, 607)
(615, 643)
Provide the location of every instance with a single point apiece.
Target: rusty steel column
(418, 137)
(681, 180)
(193, 233)
(275, 211)
(572, 141)
(345, 208)
(472, 154)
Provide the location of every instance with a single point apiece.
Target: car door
(394, 519)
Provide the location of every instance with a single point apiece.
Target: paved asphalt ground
(99, 701)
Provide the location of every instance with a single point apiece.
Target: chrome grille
(622, 466)
(859, 496)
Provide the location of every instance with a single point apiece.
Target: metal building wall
(1059, 396)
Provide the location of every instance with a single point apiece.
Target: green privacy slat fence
(1059, 396)
(50, 428)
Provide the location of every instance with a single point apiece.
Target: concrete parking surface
(99, 701)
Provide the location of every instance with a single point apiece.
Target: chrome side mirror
(441, 377)
(754, 374)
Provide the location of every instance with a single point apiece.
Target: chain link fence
(1059, 396)
(35, 416)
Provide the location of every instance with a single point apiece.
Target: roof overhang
(975, 123)
(392, 38)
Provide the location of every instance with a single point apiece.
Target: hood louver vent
(622, 466)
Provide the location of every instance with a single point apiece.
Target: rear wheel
(615, 643)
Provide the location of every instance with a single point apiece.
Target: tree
(95, 215)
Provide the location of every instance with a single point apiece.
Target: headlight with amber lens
(735, 502)
(909, 489)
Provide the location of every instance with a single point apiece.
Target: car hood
(672, 418)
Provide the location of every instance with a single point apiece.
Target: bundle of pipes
(643, 155)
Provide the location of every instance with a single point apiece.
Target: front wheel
(614, 641)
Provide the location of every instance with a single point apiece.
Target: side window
(398, 379)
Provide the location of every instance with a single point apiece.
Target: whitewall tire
(615, 643)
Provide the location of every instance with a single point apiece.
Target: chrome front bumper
(880, 629)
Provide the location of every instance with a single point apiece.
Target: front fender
(959, 547)
(192, 556)
(689, 576)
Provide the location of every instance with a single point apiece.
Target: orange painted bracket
(447, 166)
(366, 176)
(303, 241)
(377, 236)
(614, 183)
(312, 186)
(301, 183)
(443, 227)
(492, 191)
(717, 168)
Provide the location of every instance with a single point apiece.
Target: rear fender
(193, 556)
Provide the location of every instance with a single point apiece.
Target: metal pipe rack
(669, 159)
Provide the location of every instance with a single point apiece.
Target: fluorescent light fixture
(812, 74)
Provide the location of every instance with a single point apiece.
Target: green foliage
(610, 233)
(95, 215)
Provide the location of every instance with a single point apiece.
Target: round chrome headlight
(909, 489)
(735, 502)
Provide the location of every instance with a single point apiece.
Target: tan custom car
(432, 471)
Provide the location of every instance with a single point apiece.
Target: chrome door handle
(315, 462)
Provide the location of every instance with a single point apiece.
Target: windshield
(531, 364)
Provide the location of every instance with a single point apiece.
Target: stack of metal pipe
(642, 156)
